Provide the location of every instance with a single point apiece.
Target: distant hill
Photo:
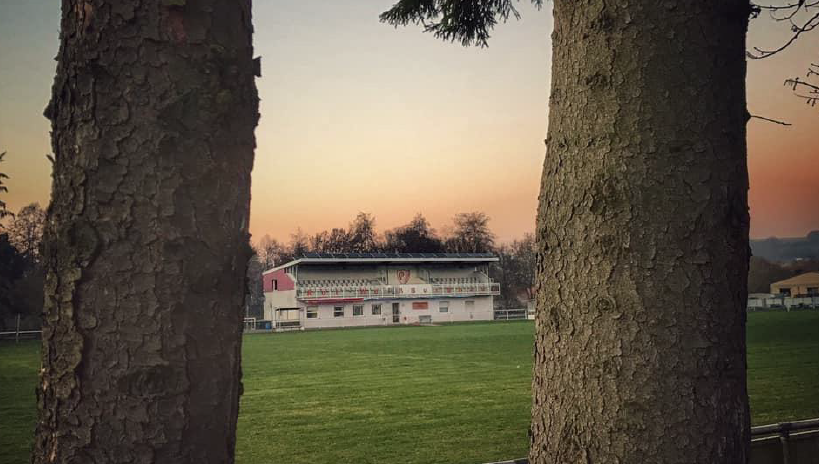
(787, 249)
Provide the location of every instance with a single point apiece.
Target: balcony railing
(397, 291)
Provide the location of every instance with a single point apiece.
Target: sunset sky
(358, 116)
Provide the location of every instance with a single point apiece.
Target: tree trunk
(643, 236)
(146, 246)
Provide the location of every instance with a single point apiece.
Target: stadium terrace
(323, 290)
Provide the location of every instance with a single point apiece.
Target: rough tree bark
(146, 242)
(643, 236)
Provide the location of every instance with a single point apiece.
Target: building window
(275, 284)
(376, 310)
(443, 306)
(470, 305)
(338, 311)
(785, 291)
(358, 310)
(813, 291)
(312, 312)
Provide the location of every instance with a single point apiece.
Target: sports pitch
(446, 394)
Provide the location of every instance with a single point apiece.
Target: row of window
(338, 311)
(375, 309)
(811, 291)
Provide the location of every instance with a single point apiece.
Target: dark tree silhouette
(361, 236)
(471, 234)
(12, 269)
(416, 237)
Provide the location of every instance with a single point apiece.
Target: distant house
(320, 290)
(803, 285)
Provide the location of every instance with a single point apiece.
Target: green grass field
(448, 394)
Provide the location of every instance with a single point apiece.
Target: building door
(396, 313)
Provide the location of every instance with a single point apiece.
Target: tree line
(762, 272)
(21, 270)
(787, 249)
(469, 233)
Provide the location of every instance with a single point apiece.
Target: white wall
(482, 311)
(279, 299)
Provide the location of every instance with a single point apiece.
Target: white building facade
(324, 290)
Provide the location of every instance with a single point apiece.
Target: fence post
(784, 435)
(17, 332)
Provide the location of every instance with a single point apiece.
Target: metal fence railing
(784, 443)
(20, 332)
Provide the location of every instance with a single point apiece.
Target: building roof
(408, 258)
(806, 278)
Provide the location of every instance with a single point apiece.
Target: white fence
(511, 314)
(782, 302)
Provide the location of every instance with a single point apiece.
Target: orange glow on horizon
(358, 116)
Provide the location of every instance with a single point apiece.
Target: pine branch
(468, 22)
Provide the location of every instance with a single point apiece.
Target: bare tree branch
(775, 121)
(808, 26)
(795, 83)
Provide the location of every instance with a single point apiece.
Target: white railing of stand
(397, 291)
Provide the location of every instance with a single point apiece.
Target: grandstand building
(322, 290)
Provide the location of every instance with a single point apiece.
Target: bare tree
(801, 17)
(807, 89)
(4, 212)
(26, 230)
(271, 253)
(338, 241)
(299, 244)
(515, 270)
(362, 236)
(146, 243)
(471, 234)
